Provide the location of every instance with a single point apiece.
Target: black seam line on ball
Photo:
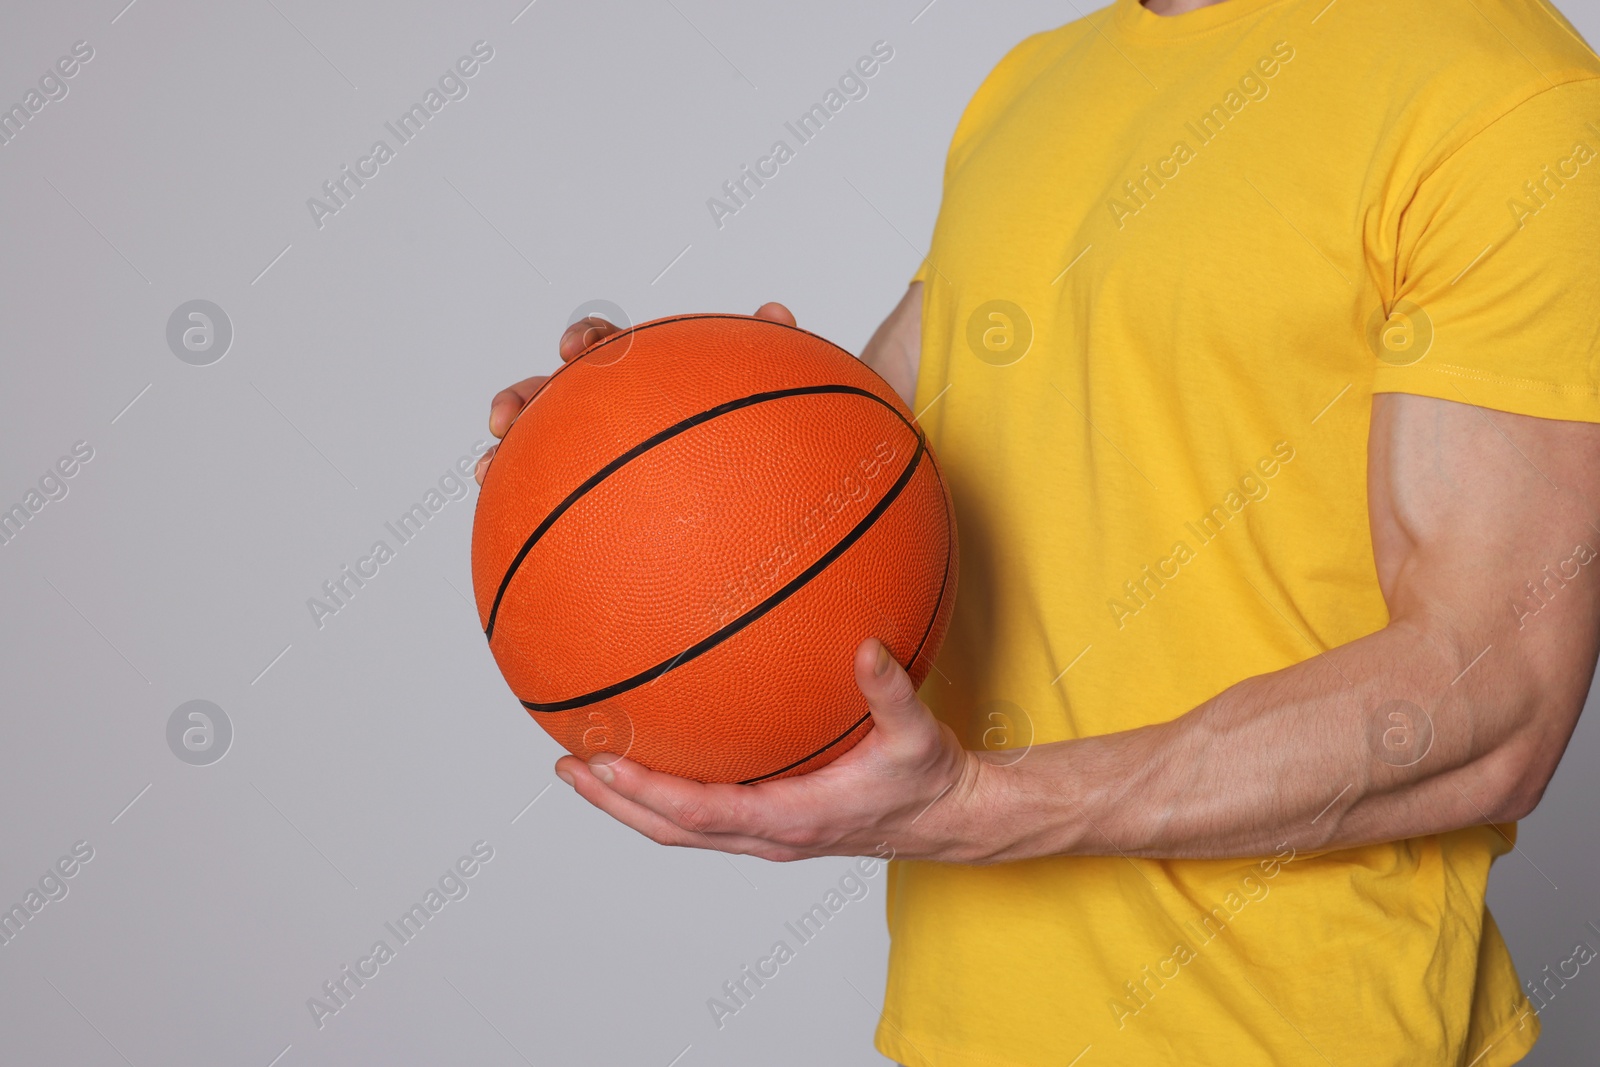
(646, 445)
(629, 332)
(944, 586)
(944, 583)
(794, 585)
(763, 777)
(581, 357)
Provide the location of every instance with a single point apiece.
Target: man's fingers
(775, 312)
(508, 403)
(587, 331)
(582, 334)
(483, 463)
(694, 806)
(891, 697)
(622, 809)
(657, 827)
(773, 815)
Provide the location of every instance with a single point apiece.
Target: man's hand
(908, 783)
(509, 402)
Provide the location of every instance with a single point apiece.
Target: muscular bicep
(1464, 499)
(1486, 536)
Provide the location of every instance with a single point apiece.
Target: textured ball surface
(688, 531)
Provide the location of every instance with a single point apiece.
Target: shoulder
(1016, 70)
(1429, 77)
(1475, 59)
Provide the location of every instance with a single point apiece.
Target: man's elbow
(1520, 770)
(1518, 798)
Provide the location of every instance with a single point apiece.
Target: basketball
(688, 531)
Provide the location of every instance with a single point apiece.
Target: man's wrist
(1019, 804)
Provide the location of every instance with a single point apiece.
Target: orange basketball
(687, 533)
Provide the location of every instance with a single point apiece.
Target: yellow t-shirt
(1175, 259)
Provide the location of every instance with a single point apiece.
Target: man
(1260, 344)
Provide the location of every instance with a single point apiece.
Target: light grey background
(369, 754)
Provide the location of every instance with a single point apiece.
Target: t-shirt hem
(892, 1042)
(1518, 396)
(1500, 1052)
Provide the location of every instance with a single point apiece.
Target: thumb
(888, 689)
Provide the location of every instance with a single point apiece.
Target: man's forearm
(1395, 735)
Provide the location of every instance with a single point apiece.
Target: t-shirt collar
(1134, 19)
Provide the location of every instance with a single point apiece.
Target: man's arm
(1484, 539)
(1456, 713)
(895, 350)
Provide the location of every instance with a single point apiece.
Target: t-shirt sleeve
(1498, 267)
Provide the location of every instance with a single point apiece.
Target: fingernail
(884, 659)
(565, 777)
(602, 771)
